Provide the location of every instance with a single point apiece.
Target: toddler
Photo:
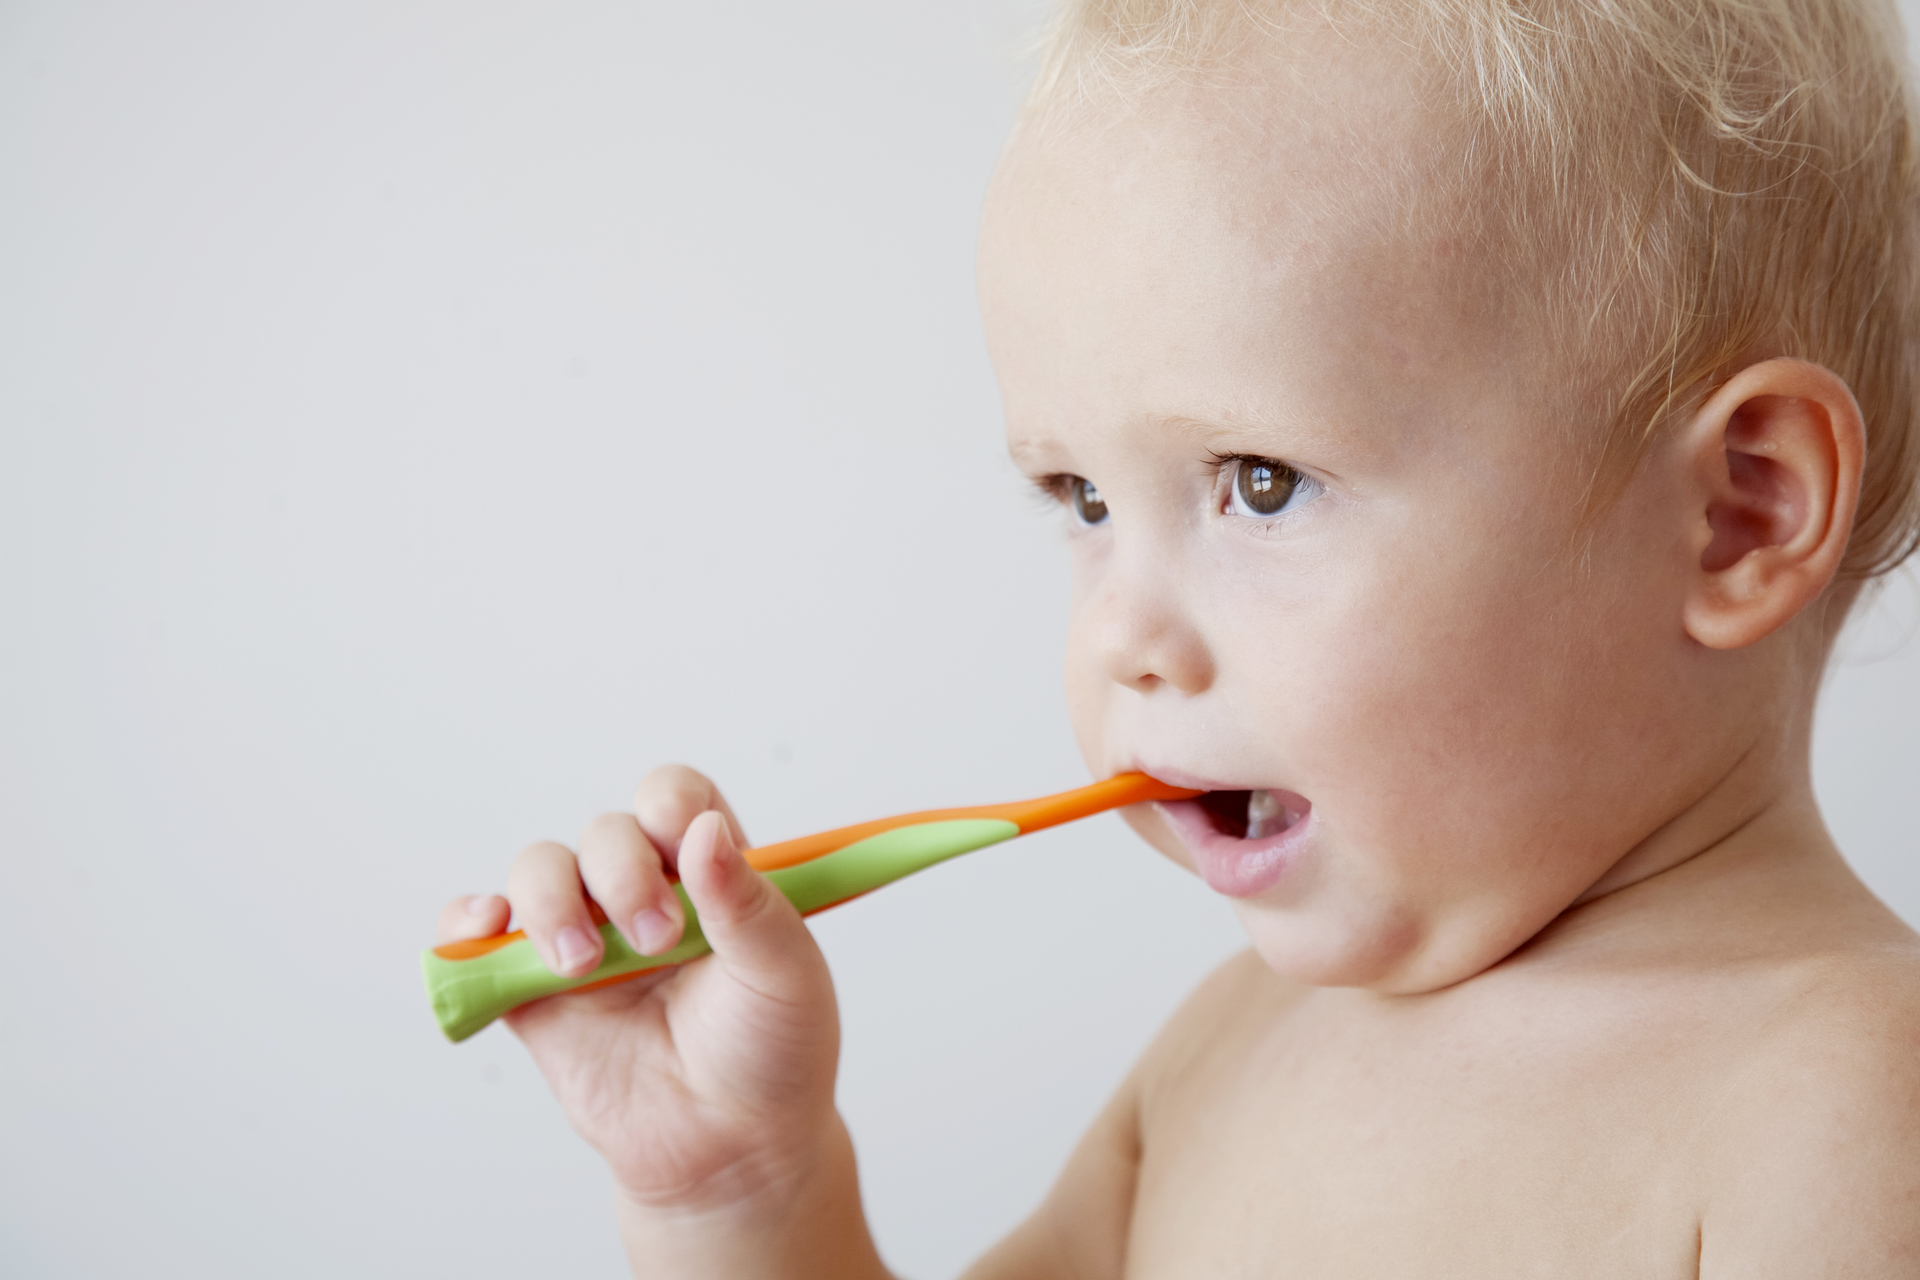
(1474, 420)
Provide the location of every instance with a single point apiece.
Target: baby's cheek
(1150, 826)
(1090, 694)
(1086, 707)
(1421, 712)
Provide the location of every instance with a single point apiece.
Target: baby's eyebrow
(1236, 428)
(1253, 434)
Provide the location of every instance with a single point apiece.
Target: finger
(480, 915)
(756, 934)
(670, 798)
(544, 886)
(622, 872)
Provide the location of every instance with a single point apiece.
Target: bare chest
(1413, 1150)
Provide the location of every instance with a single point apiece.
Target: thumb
(756, 934)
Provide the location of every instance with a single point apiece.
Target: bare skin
(1554, 968)
(1609, 1102)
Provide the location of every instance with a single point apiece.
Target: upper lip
(1191, 781)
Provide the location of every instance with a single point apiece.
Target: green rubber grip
(468, 994)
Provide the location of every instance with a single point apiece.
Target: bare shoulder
(1849, 1014)
(1081, 1228)
(1242, 987)
(1815, 1165)
(1237, 1003)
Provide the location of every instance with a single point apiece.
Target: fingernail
(655, 930)
(571, 945)
(723, 845)
(479, 904)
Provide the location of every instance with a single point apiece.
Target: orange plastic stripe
(1028, 815)
(1083, 802)
(472, 947)
(480, 946)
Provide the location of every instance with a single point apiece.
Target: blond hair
(1708, 181)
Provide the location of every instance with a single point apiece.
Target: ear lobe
(1776, 455)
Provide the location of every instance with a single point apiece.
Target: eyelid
(1229, 464)
(1224, 460)
(1056, 492)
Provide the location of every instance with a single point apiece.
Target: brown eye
(1262, 487)
(1088, 506)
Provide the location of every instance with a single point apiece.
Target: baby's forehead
(1318, 161)
(1313, 117)
(1295, 208)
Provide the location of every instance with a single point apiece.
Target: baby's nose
(1144, 640)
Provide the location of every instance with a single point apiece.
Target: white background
(416, 421)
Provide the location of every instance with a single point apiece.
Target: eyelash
(1051, 490)
(1056, 492)
(1229, 464)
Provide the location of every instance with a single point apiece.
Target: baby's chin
(1333, 940)
(1310, 932)
(1320, 946)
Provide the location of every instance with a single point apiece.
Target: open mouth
(1250, 815)
(1241, 841)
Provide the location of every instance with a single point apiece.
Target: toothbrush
(473, 982)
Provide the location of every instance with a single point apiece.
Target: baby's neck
(1749, 869)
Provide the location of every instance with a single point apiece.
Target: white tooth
(1265, 816)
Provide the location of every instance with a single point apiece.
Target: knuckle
(544, 880)
(618, 888)
(675, 776)
(617, 857)
(446, 927)
(760, 908)
(675, 786)
(469, 916)
(541, 853)
(608, 826)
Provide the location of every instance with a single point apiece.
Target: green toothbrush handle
(469, 993)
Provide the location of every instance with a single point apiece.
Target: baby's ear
(1774, 456)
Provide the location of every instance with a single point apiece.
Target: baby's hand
(705, 1086)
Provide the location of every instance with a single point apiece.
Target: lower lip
(1236, 868)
